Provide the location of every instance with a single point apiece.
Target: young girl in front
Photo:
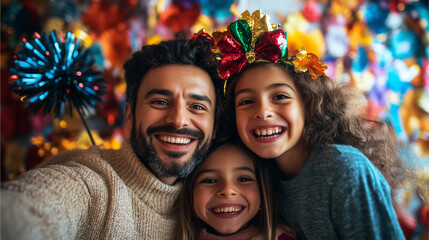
(333, 164)
(228, 197)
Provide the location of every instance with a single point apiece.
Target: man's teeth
(268, 132)
(227, 210)
(176, 140)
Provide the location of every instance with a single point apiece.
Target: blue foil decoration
(375, 17)
(404, 44)
(50, 72)
(217, 9)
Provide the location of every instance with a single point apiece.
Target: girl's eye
(245, 102)
(245, 179)
(280, 96)
(208, 180)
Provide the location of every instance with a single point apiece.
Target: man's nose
(179, 115)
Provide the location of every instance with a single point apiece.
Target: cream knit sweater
(88, 194)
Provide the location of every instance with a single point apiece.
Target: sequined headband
(253, 38)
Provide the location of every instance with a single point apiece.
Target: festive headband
(253, 38)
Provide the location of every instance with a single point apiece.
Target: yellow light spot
(41, 152)
(63, 124)
(381, 37)
(401, 7)
(47, 146)
(37, 140)
(54, 151)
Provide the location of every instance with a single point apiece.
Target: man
(172, 92)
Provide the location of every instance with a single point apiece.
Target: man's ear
(128, 116)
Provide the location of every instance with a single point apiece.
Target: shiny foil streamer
(50, 71)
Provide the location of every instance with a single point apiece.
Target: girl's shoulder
(342, 163)
(340, 150)
(340, 155)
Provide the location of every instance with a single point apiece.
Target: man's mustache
(170, 129)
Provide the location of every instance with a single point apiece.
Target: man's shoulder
(74, 155)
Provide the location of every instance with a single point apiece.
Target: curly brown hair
(333, 115)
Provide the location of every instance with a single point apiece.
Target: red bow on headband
(234, 58)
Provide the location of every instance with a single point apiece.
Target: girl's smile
(227, 210)
(268, 134)
(226, 192)
(270, 114)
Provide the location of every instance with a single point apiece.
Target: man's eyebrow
(201, 98)
(158, 91)
(169, 93)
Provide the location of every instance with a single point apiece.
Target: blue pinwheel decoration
(52, 71)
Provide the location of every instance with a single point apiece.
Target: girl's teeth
(227, 210)
(270, 132)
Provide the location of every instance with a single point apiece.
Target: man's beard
(148, 156)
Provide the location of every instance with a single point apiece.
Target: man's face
(174, 119)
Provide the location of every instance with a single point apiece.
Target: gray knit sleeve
(361, 206)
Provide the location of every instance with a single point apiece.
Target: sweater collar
(156, 194)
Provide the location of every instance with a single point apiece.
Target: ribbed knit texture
(89, 194)
(339, 194)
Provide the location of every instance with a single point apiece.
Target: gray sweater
(339, 194)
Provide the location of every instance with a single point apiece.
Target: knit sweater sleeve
(361, 206)
(45, 203)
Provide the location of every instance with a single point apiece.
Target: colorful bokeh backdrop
(380, 47)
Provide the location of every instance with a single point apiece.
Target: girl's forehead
(227, 156)
(262, 77)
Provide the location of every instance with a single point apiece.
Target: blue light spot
(29, 46)
(49, 75)
(43, 95)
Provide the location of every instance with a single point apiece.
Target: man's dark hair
(179, 51)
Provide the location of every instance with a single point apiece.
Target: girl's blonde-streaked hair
(189, 225)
